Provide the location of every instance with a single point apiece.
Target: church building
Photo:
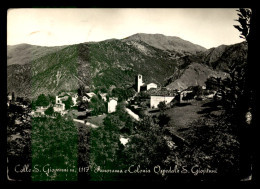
(141, 86)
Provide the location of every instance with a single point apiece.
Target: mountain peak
(142, 36)
(163, 42)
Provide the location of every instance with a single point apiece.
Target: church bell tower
(139, 82)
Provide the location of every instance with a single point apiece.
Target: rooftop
(159, 92)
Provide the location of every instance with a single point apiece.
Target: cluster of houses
(160, 95)
(156, 95)
(19, 101)
(59, 106)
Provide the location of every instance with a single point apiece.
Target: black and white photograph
(130, 94)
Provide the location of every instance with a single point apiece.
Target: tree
(81, 90)
(213, 83)
(246, 104)
(42, 100)
(163, 119)
(52, 99)
(197, 90)
(33, 105)
(124, 117)
(130, 92)
(122, 93)
(162, 106)
(144, 95)
(97, 105)
(120, 108)
(83, 150)
(151, 143)
(68, 103)
(119, 93)
(13, 97)
(101, 89)
(18, 149)
(214, 144)
(105, 147)
(54, 143)
(244, 20)
(49, 111)
(26, 101)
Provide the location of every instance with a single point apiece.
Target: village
(144, 101)
(90, 109)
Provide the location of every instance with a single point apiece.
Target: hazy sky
(55, 27)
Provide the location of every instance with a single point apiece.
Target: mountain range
(168, 61)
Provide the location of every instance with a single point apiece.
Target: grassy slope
(182, 116)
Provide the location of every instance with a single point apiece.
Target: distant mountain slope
(24, 53)
(19, 79)
(166, 42)
(195, 69)
(114, 62)
(42, 75)
(213, 54)
(100, 64)
(193, 75)
(221, 57)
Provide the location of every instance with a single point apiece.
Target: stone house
(88, 96)
(39, 111)
(59, 105)
(156, 99)
(151, 86)
(74, 99)
(184, 95)
(103, 96)
(112, 103)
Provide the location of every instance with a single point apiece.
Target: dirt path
(132, 114)
(86, 123)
